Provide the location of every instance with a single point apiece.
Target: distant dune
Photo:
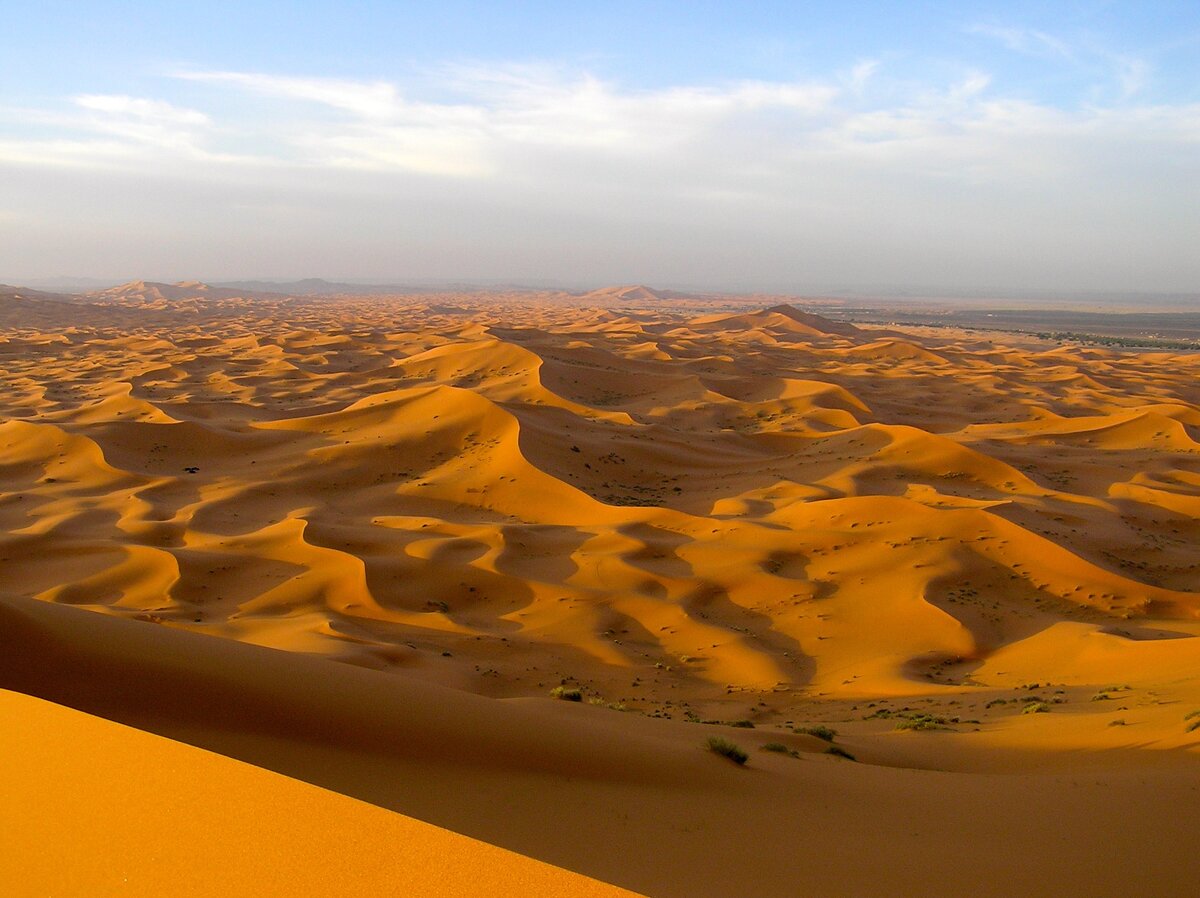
(409, 519)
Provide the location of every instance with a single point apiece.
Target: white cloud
(862, 73)
(141, 109)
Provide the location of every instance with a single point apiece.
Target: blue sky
(782, 146)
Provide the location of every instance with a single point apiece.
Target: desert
(517, 591)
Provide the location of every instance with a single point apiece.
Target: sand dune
(182, 821)
(693, 510)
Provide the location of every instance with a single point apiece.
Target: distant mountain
(141, 292)
(66, 284)
(9, 292)
(631, 293)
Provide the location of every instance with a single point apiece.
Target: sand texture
(975, 556)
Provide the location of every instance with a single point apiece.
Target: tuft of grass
(781, 749)
(602, 703)
(1194, 718)
(727, 749)
(1119, 722)
(1035, 708)
(744, 724)
(820, 731)
(840, 752)
(922, 722)
(565, 694)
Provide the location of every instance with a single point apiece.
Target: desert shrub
(604, 703)
(744, 724)
(1035, 708)
(921, 722)
(1194, 718)
(727, 749)
(777, 747)
(820, 731)
(840, 752)
(565, 694)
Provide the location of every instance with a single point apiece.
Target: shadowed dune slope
(182, 821)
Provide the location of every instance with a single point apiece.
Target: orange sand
(688, 511)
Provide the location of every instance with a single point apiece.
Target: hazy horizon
(848, 292)
(959, 148)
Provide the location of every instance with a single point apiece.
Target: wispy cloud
(1132, 74)
(150, 122)
(861, 74)
(1025, 40)
(367, 99)
(506, 122)
(494, 111)
(1127, 73)
(816, 163)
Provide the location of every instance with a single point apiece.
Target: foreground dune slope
(96, 808)
(618, 797)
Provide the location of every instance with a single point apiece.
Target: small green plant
(1035, 708)
(727, 749)
(566, 694)
(820, 731)
(838, 751)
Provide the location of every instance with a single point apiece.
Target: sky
(966, 147)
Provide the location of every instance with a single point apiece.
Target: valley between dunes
(408, 519)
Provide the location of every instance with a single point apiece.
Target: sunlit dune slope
(97, 808)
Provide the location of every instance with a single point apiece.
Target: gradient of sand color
(96, 808)
(747, 513)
